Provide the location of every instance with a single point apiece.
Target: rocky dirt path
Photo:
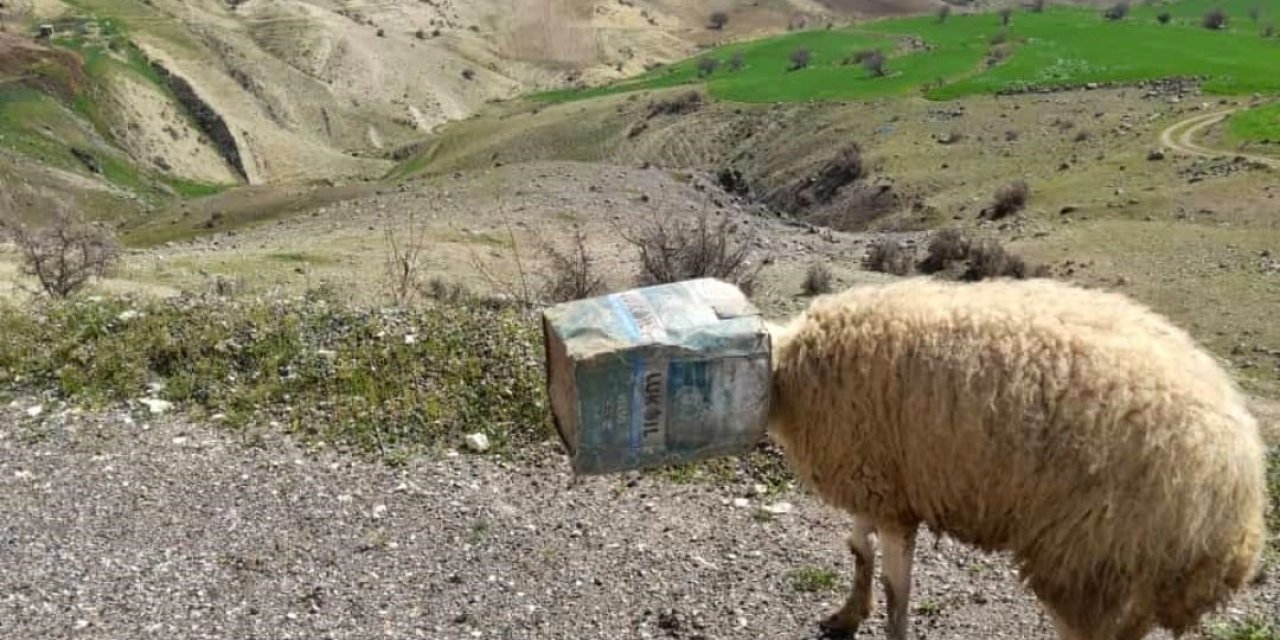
(1180, 137)
(131, 526)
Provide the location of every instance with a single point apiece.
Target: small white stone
(157, 406)
(410, 338)
(379, 511)
(477, 442)
(35, 411)
(758, 490)
(129, 314)
(778, 508)
(218, 417)
(81, 624)
(741, 503)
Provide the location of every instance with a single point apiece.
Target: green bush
(376, 381)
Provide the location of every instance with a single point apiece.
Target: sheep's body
(1076, 429)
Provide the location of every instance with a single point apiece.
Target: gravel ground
(133, 526)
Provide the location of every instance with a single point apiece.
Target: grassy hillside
(67, 129)
(975, 54)
(1257, 125)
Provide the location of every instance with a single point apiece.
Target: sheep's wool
(1075, 428)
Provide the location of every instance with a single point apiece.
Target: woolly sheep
(1075, 429)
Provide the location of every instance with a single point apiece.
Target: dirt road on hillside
(119, 526)
(1180, 137)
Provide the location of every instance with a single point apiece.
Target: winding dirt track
(1180, 137)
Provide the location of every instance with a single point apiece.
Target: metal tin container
(658, 375)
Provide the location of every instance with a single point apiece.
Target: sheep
(1075, 429)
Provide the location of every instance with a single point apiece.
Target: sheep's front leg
(858, 607)
(899, 553)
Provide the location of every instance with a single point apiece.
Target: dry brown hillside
(319, 89)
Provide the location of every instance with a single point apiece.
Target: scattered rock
(477, 442)
(1156, 154)
(34, 412)
(157, 406)
(778, 508)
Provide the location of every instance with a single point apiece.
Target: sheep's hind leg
(899, 553)
(858, 607)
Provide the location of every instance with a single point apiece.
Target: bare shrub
(888, 256)
(1255, 13)
(953, 255)
(1117, 11)
(468, 74)
(988, 259)
(447, 292)
(687, 102)
(944, 12)
(1269, 31)
(573, 275)
(1082, 135)
(946, 248)
(817, 280)
(403, 265)
(1010, 199)
(717, 20)
(1215, 19)
(999, 38)
(1011, 135)
(64, 255)
(1006, 14)
(707, 65)
(674, 250)
(1037, 6)
(800, 58)
(737, 61)
(1164, 17)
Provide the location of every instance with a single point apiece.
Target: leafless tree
(63, 255)
(800, 58)
(707, 65)
(1216, 19)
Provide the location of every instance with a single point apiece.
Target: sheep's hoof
(838, 626)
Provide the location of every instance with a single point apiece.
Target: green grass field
(1064, 46)
(1257, 125)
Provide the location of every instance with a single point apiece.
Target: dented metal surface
(658, 375)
